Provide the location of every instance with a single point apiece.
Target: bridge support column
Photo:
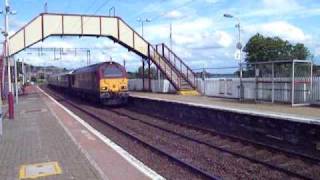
(10, 94)
(149, 75)
(143, 89)
(11, 105)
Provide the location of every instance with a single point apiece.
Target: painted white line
(132, 160)
(88, 135)
(281, 116)
(87, 155)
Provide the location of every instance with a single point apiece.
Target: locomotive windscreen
(113, 71)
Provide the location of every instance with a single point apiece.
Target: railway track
(189, 166)
(278, 161)
(236, 147)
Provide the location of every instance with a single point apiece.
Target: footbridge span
(115, 28)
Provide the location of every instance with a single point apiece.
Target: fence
(276, 81)
(316, 89)
(280, 81)
(229, 88)
(158, 86)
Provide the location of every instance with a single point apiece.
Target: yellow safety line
(22, 172)
(188, 92)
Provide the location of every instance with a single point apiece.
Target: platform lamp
(112, 9)
(239, 47)
(142, 21)
(7, 11)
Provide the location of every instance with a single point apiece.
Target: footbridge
(115, 28)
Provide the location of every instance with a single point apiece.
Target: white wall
(162, 86)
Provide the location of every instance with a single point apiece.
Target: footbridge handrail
(181, 66)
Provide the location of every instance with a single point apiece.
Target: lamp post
(7, 11)
(171, 36)
(239, 47)
(142, 21)
(45, 7)
(112, 9)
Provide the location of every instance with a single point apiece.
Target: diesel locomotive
(105, 82)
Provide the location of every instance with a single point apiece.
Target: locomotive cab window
(112, 71)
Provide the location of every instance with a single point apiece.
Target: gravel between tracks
(211, 160)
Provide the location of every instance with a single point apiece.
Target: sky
(201, 36)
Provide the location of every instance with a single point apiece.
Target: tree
(138, 74)
(260, 48)
(299, 51)
(153, 72)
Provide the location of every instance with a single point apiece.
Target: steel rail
(216, 147)
(144, 143)
(259, 144)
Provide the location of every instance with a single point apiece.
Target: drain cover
(39, 170)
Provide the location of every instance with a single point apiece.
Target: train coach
(105, 82)
(60, 81)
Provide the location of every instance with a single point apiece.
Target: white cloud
(212, 1)
(280, 28)
(195, 41)
(276, 8)
(281, 4)
(317, 51)
(55, 43)
(175, 14)
(206, 40)
(198, 33)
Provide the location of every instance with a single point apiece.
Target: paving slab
(35, 136)
(47, 141)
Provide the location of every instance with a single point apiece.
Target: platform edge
(123, 153)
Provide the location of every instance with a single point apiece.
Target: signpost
(238, 55)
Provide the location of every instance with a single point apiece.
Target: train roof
(94, 67)
(61, 74)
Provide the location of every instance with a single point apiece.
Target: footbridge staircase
(113, 27)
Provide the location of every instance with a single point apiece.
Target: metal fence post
(204, 81)
(311, 81)
(256, 82)
(292, 84)
(241, 84)
(272, 100)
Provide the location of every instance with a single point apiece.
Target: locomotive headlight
(124, 88)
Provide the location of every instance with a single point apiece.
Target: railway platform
(294, 129)
(47, 140)
(304, 114)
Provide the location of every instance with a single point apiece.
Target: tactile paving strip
(32, 171)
